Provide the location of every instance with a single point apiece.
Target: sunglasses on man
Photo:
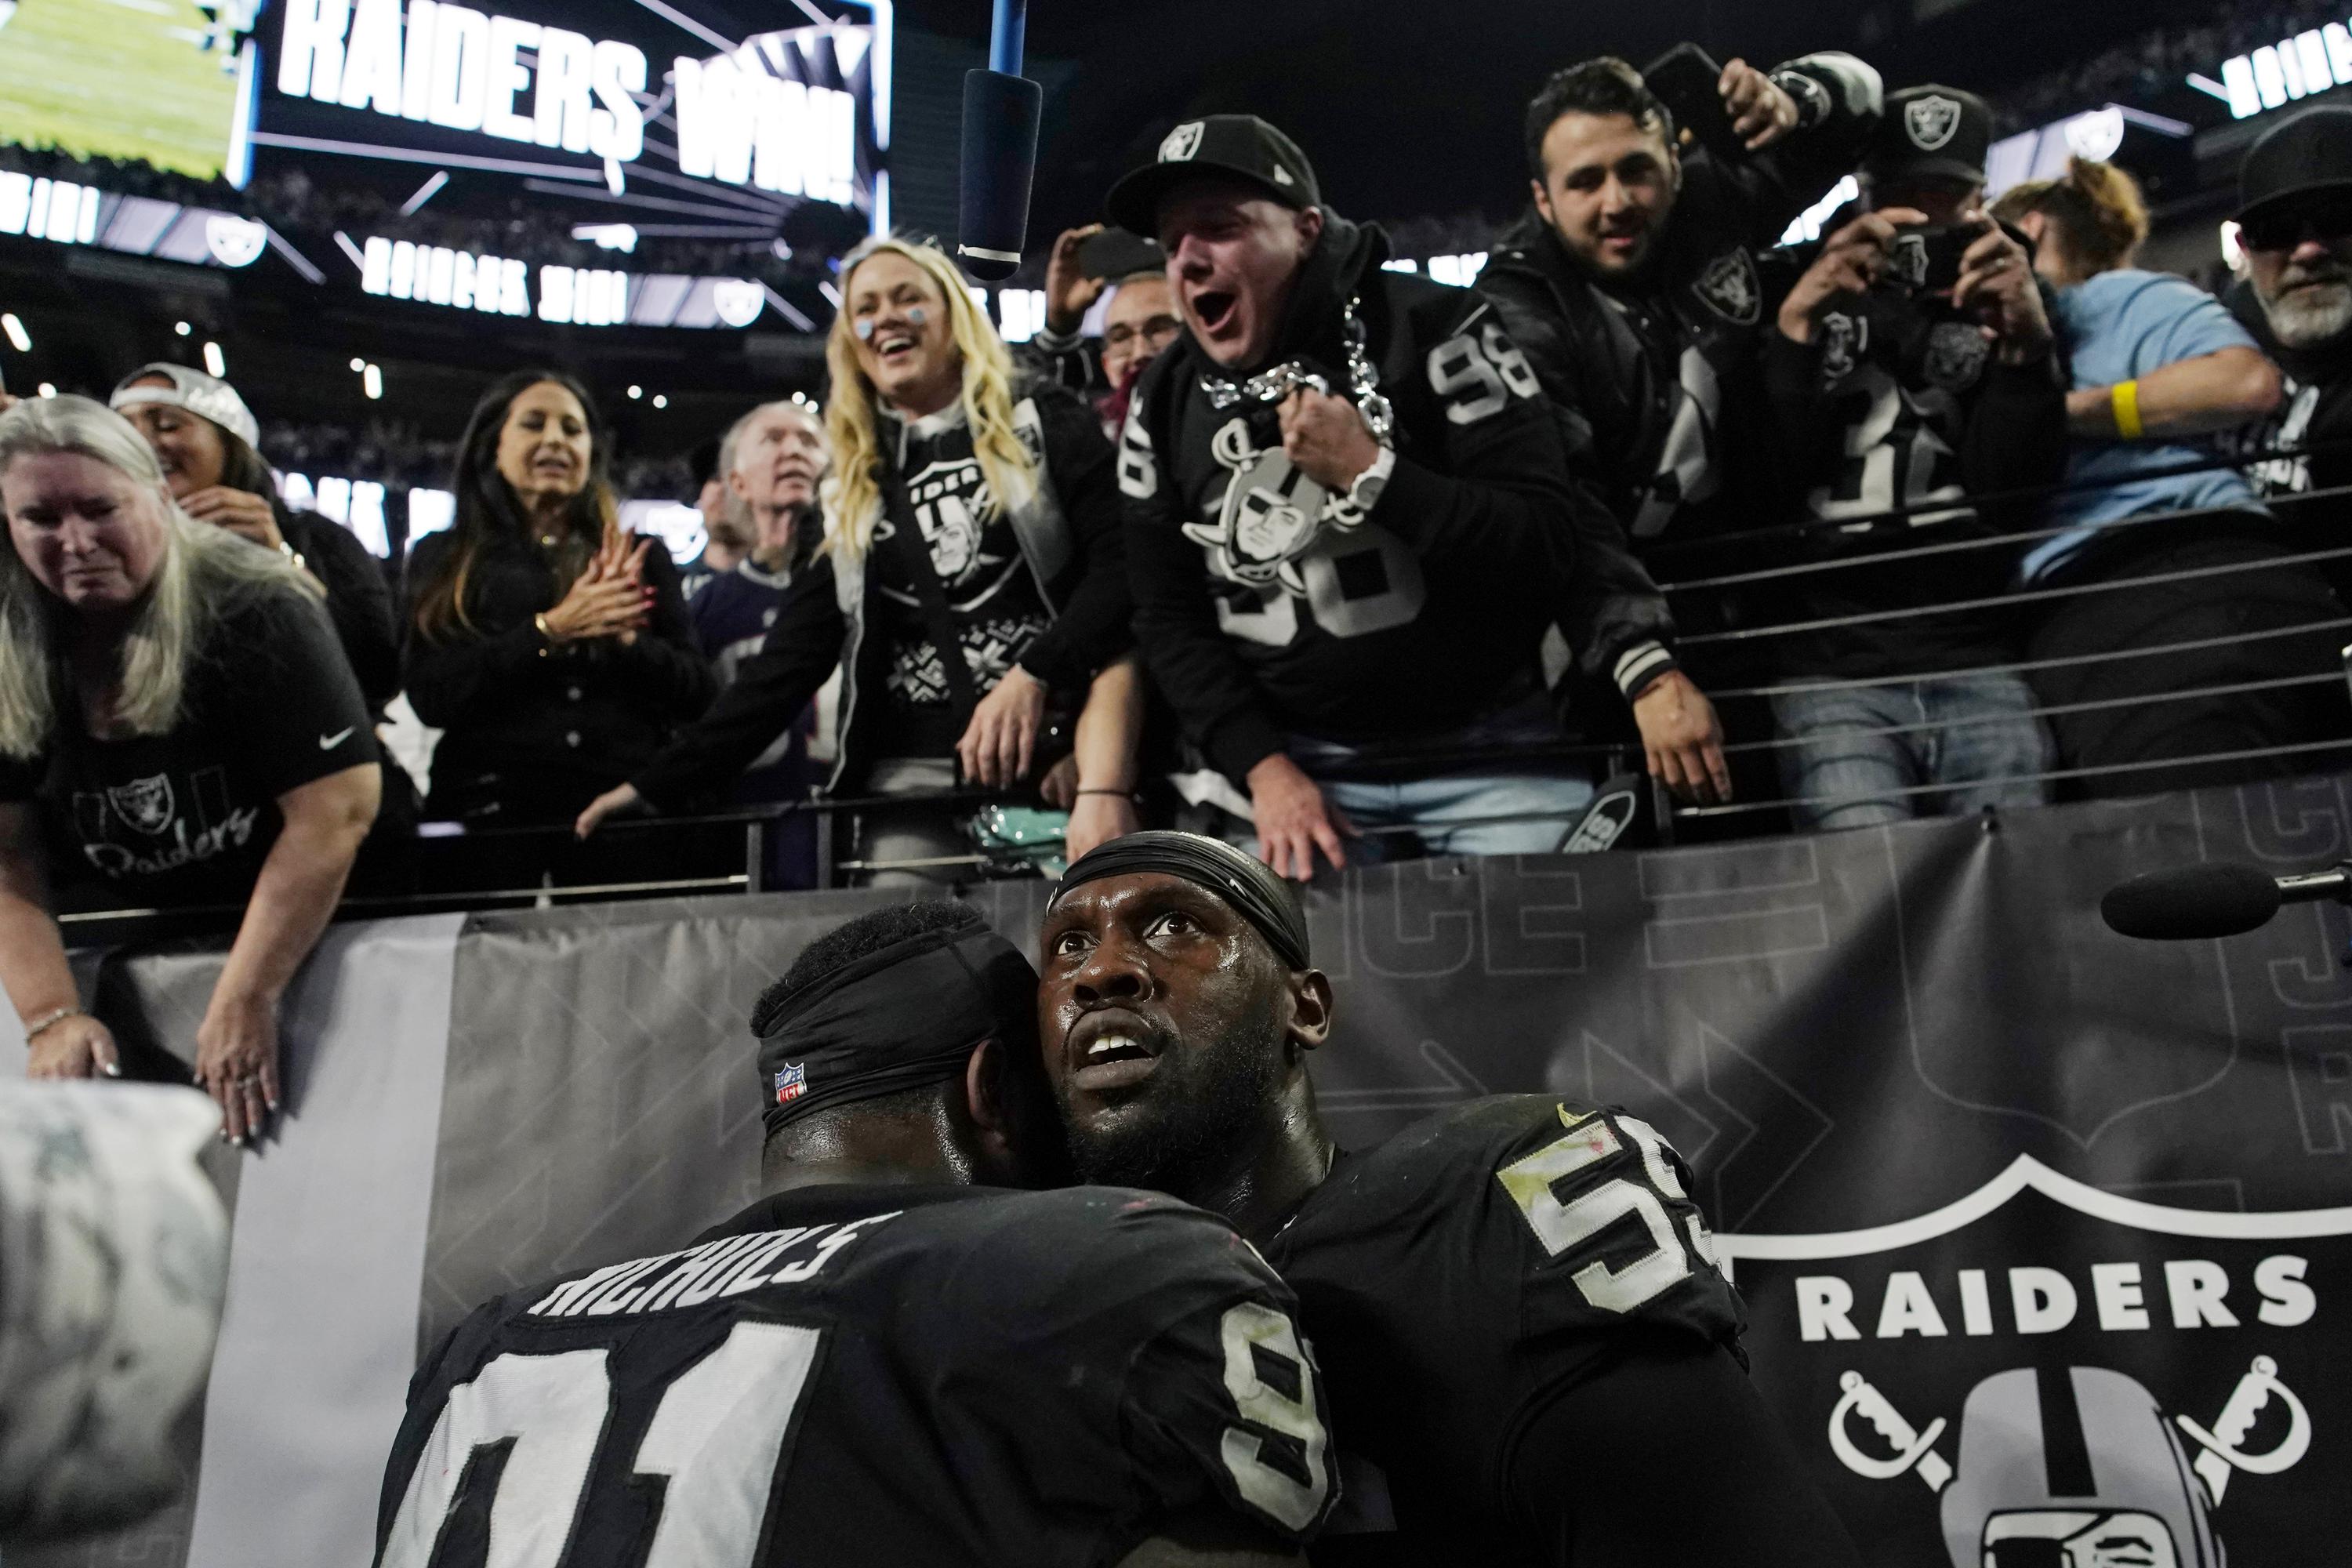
(2324, 215)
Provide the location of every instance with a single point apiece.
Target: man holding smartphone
(1631, 286)
(1909, 371)
(1139, 322)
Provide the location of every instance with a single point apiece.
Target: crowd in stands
(1950, 508)
(800, 243)
(2158, 61)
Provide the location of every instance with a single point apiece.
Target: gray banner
(1930, 1101)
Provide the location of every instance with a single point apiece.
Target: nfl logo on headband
(792, 1082)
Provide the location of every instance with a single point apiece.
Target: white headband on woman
(193, 390)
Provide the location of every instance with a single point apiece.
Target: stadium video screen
(585, 92)
(153, 80)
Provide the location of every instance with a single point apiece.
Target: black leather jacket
(1656, 378)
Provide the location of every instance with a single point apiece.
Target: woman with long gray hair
(178, 725)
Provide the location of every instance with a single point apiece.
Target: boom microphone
(1001, 111)
(2221, 897)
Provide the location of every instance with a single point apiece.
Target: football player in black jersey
(879, 1361)
(1532, 1359)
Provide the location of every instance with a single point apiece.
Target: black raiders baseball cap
(1938, 131)
(2302, 154)
(1240, 145)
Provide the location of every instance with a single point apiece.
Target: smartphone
(1927, 259)
(1685, 79)
(1115, 253)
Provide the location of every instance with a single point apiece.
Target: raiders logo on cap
(1729, 289)
(1931, 122)
(1181, 144)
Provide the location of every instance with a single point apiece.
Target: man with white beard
(2294, 221)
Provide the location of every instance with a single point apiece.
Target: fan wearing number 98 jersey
(909, 1376)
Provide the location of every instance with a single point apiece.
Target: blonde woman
(964, 510)
(2217, 632)
(177, 723)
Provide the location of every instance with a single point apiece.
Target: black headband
(900, 1018)
(1254, 891)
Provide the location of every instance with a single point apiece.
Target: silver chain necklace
(1274, 385)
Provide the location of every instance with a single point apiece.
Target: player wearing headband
(880, 1362)
(1531, 1352)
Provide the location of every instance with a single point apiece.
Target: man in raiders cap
(2294, 226)
(1899, 398)
(1532, 1358)
(1349, 520)
(881, 1360)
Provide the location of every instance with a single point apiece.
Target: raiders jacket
(1069, 545)
(1266, 607)
(1656, 377)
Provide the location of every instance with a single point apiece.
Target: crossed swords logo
(1914, 1449)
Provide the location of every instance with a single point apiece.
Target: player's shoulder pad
(1118, 1253)
(1467, 1140)
(1525, 1152)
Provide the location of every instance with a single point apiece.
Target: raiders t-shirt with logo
(990, 598)
(186, 819)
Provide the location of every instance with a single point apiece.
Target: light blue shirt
(2116, 326)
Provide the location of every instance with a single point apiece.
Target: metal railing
(748, 871)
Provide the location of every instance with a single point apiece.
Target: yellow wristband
(2124, 396)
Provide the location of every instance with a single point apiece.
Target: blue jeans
(1444, 814)
(1980, 744)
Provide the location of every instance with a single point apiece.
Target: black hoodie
(1262, 615)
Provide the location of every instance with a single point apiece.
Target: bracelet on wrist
(1127, 794)
(51, 1019)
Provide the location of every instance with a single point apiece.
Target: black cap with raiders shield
(2302, 155)
(1242, 146)
(1930, 131)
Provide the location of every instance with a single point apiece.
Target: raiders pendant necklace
(1274, 385)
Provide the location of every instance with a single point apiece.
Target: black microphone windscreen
(1000, 158)
(2221, 897)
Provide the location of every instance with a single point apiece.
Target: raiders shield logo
(1931, 122)
(1729, 289)
(1956, 355)
(1844, 340)
(1271, 516)
(1182, 142)
(2045, 1373)
(146, 804)
(1907, 261)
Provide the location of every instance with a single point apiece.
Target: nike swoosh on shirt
(329, 742)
